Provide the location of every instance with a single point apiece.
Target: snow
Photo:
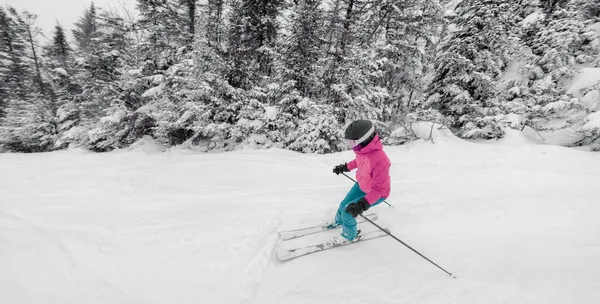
(517, 138)
(512, 73)
(595, 27)
(154, 91)
(586, 79)
(433, 131)
(135, 72)
(271, 113)
(593, 121)
(515, 223)
(450, 7)
(147, 145)
(532, 18)
(156, 79)
(61, 71)
(116, 117)
(513, 120)
(591, 100)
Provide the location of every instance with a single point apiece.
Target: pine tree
(589, 9)
(25, 26)
(301, 47)
(470, 60)
(100, 85)
(341, 33)
(551, 6)
(59, 51)
(559, 44)
(252, 37)
(405, 35)
(30, 122)
(86, 29)
(167, 25)
(13, 70)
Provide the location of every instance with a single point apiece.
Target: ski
(296, 233)
(286, 255)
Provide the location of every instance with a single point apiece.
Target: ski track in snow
(516, 223)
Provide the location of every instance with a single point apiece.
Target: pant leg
(353, 195)
(349, 222)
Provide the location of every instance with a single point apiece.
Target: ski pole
(350, 178)
(397, 239)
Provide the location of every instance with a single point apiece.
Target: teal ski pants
(344, 218)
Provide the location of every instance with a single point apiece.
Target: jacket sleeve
(379, 182)
(352, 165)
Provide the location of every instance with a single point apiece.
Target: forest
(221, 75)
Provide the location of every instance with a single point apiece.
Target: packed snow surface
(516, 223)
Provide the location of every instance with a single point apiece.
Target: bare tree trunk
(345, 39)
(215, 14)
(191, 6)
(333, 21)
(35, 60)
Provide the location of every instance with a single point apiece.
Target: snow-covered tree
(30, 121)
(318, 129)
(405, 34)
(590, 9)
(301, 47)
(86, 29)
(469, 62)
(14, 74)
(25, 25)
(252, 36)
(58, 52)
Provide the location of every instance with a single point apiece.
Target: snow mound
(594, 34)
(587, 78)
(61, 71)
(532, 18)
(73, 135)
(593, 122)
(512, 72)
(591, 100)
(147, 145)
(271, 113)
(513, 119)
(154, 91)
(427, 131)
(450, 7)
(514, 137)
(116, 117)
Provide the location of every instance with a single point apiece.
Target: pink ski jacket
(373, 173)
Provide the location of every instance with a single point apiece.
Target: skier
(373, 177)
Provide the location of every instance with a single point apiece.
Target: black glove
(357, 208)
(340, 168)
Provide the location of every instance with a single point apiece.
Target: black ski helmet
(361, 132)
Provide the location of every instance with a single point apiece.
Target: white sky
(66, 12)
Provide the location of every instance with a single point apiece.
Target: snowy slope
(516, 223)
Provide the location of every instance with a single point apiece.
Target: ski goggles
(353, 143)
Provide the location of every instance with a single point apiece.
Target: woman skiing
(373, 176)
